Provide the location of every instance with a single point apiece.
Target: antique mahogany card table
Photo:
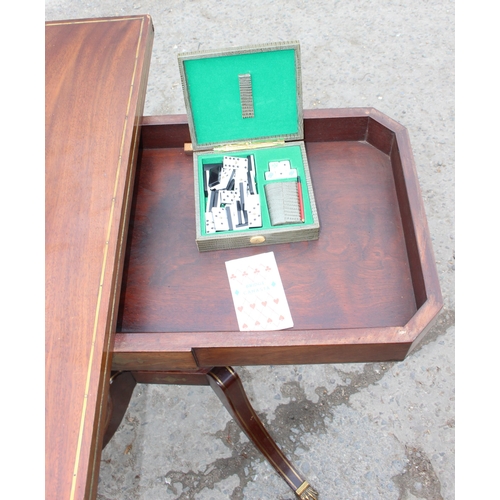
(366, 290)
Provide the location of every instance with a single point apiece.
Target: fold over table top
(96, 75)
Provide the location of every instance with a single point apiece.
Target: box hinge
(239, 146)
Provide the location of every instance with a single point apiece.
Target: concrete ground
(357, 431)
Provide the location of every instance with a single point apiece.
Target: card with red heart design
(258, 294)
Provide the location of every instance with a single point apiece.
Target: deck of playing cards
(283, 202)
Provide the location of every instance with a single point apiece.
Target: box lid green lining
(212, 94)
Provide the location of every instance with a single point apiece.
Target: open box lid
(243, 94)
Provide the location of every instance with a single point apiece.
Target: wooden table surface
(96, 76)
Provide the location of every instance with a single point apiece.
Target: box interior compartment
(262, 157)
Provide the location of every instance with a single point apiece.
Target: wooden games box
(252, 183)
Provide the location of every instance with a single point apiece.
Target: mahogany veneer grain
(96, 74)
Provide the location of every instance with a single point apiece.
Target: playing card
(258, 294)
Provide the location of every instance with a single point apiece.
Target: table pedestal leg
(120, 393)
(227, 385)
